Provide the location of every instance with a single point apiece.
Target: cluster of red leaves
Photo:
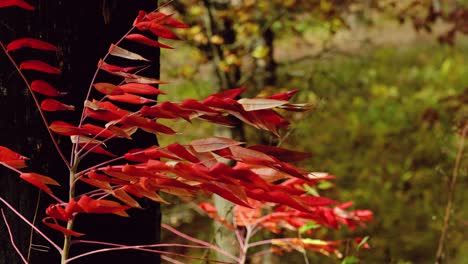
(262, 177)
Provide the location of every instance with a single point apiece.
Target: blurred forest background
(389, 80)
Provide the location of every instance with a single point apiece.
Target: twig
(11, 238)
(451, 194)
(31, 235)
(31, 225)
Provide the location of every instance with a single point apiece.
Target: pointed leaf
(130, 99)
(283, 96)
(281, 153)
(213, 143)
(60, 228)
(12, 158)
(44, 88)
(52, 105)
(108, 88)
(146, 41)
(123, 53)
(65, 129)
(30, 43)
(139, 88)
(37, 65)
(17, 3)
(114, 68)
(260, 103)
(39, 181)
(125, 198)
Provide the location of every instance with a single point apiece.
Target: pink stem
(11, 168)
(137, 247)
(12, 240)
(198, 241)
(36, 101)
(269, 241)
(31, 225)
(171, 260)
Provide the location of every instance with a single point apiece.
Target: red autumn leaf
(219, 119)
(30, 43)
(130, 99)
(98, 150)
(60, 228)
(90, 205)
(230, 93)
(162, 31)
(249, 154)
(41, 66)
(167, 20)
(64, 128)
(97, 131)
(45, 88)
(39, 181)
(147, 125)
(58, 212)
(97, 183)
(126, 54)
(140, 192)
(140, 88)
(281, 153)
(182, 152)
(283, 96)
(192, 104)
(146, 41)
(316, 201)
(52, 105)
(158, 153)
(12, 158)
(17, 3)
(108, 88)
(125, 198)
(114, 68)
(157, 112)
(213, 143)
(231, 192)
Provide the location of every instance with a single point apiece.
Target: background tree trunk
(83, 31)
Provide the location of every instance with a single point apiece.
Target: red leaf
(97, 183)
(162, 31)
(30, 43)
(146, 124)
(39, 181)
(167, 20)
(140, 88)
(231, 193)
(108, 88)
(283, 96)
(230, 93)
(37, 65)
(114, 68)
(126, 54)
(182, 152)
(193, 104)
(249, 154)
(252, 104)
(45, 88)
(58, 212)
(124, 197)
(281, 153)
(213, 143)
(60, 228)
(146, 41)
(65, 129)
(98, 150)
(52, 105)
(12, 158)
(97, 131)
(90, 205)
(18, 3)
(130, 99)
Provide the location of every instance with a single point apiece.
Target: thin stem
(451, 194)
(201, 242)
(11, 168)
(31, 234)
(269, 241)
(71, 196)
(12, 240)
(140, 248)
(171, 260)
(36, 101)
(31, 225)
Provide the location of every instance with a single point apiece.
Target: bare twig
(31, 235)
(11, 238)
(451, 194)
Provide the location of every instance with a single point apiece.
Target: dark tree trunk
(83, 31)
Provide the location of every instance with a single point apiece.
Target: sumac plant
(260, 180)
